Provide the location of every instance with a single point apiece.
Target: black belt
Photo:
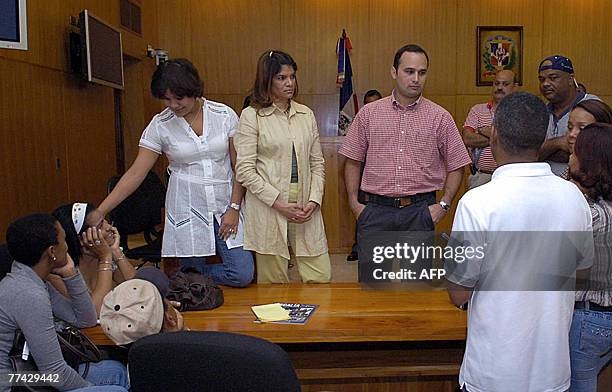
(398, 202)
(592, 306)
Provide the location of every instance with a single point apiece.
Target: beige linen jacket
(263, 143)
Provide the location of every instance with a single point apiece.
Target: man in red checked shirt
(411, 148)
(477, 129)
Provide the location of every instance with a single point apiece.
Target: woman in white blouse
(203, 199)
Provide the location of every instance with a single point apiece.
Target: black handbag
(76, 348)
(194, 291)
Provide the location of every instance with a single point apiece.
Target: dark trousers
(378, 218)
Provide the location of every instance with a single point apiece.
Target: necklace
(196, 114)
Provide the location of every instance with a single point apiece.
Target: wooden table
(388, 340)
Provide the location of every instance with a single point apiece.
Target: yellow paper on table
(270, 312)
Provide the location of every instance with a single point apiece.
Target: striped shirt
(407, 150)
(481, 115)
(601, 273)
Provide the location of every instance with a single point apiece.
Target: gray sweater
(29, 303)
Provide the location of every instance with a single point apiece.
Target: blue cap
(557, 62)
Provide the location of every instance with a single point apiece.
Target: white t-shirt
(519, 340)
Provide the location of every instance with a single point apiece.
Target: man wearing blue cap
(558, 86)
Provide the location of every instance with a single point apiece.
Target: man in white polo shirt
(517, 332)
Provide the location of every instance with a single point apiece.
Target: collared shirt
(407, 150)
(200, 185)
(481, 115)
(518, 340)
(600, 290)
(264, 144)
(557, 126)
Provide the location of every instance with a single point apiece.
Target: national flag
(345, 81)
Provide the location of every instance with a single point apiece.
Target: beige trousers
(274, 268)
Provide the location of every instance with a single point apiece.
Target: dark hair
(247, 102)
(598, 109)
(63, 215)
(521, 120)
(28, 238)
(593, 149)
(583, 87)
(371, 93)
(179, 76)
(408, 48)
(268, 65)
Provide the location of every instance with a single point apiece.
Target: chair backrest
(6, 261)
(209, 362)
(141, 211)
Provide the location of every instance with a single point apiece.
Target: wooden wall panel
(133, 109)
(234, 101)
(57, 132)
(90, 141)
(174, 26)
(581, 30)
(429, 23)
(32, 144)
(310, 30)
(337, 215)
(229, 37)
(472, 13)
(325, 107)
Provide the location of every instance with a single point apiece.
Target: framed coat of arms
(498, 47)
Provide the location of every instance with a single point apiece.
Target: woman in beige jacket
(281, 165)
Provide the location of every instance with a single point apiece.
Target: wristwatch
(234, 206)
(445, 206)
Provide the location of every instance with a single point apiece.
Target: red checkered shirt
(481, 115)
(407, 150)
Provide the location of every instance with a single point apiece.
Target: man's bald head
(503, 85)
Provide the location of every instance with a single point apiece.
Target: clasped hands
(294, 213)
(93, 243)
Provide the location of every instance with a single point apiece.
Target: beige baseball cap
(132, 310)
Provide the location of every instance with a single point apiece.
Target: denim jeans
(237, 267)
(590, 347)
(106, 376)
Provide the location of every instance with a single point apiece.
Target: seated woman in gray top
(28, 302)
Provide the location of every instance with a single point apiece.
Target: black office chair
(141, 212)
(209, 362)
(6, 261)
